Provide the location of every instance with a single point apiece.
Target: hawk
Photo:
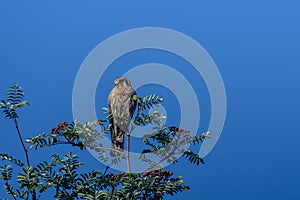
(122, 106)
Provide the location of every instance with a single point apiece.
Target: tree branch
(33, 192)
(21, 140)
(128, 153)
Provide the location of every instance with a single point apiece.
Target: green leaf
(11, 159)
(6, 172)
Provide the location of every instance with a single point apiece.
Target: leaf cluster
(14, 99)
(168, 143)
(62, 175)
(75, 134)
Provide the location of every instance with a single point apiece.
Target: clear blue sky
(255, 45)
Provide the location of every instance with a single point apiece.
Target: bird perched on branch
(122, 106)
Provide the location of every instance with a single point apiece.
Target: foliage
(74, 134)
(11, 159)
(167, 143)
(61, 174)
(14, 100)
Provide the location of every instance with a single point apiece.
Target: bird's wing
(132, 105)
(111, 105)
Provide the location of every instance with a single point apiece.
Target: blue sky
(255, 45)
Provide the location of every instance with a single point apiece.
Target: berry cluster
(57, 129)
(163, 174)
(178, 131)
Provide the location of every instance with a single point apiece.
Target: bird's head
(122, 81)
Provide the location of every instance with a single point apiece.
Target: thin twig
(106, 149)
(112, 192)
(22, 142)
(128, 153)
(133, 126)
(33, 192)
(107, 167)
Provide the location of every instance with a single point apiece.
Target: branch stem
(106, 149)
(128, 153)
(33, 193)
(22, 142)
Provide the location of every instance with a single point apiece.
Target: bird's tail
(117, 143)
